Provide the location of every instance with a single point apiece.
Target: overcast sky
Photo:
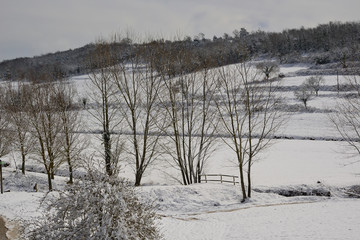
(35, 27)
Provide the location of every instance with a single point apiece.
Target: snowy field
(214, 211)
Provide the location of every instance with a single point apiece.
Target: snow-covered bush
(304, 93)
(268, 68)
(96, 208)
(314, 82)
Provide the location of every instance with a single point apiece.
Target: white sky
(35, 27)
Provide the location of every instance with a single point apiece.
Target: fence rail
(223, 178)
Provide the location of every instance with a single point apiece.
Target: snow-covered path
(334, 219)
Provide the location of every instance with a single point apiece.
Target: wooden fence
(223, 178)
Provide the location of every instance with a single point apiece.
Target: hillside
(307, 159)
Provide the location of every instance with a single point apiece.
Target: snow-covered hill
(214, 211)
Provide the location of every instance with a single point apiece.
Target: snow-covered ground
(214, 211)
(307, 220)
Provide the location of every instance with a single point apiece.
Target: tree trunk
(242, 183)
(23, 157)
(198, 175)
(70, 172)
(52, 170)
(49, 180)
(138, 177)
(249, 103)
(107, 146)
(249, 179)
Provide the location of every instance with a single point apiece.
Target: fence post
(234, 179)
(205, 179)
(221, 178)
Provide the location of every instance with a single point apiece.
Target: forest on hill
(327, 43)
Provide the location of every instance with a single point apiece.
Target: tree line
(326, 43)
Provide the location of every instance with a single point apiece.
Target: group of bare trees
(152, 104)
(41, 119)
(187, 103)
(126, 94)
(169, 111)
(310, 87)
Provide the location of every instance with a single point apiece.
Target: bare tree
(268, 68)
(207, 122)
(71, 143)
(46, 125)
(103, 94)
(5, 135)
(5, 139)
(304, 93)
(247, 110)
(343, 54)
(15, 106)
(346, 117)
(138, 85)
(315, 82)
(187, 104)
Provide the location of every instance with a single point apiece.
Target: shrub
(100, 207)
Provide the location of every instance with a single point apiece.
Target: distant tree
(304, 93)
(243, 33)
(126, 41)
(343, 55)
(268, 68)
(315, 82)
(226, 36)
(187, 39)
(236, 33)
(98, 207)
(200, 37)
